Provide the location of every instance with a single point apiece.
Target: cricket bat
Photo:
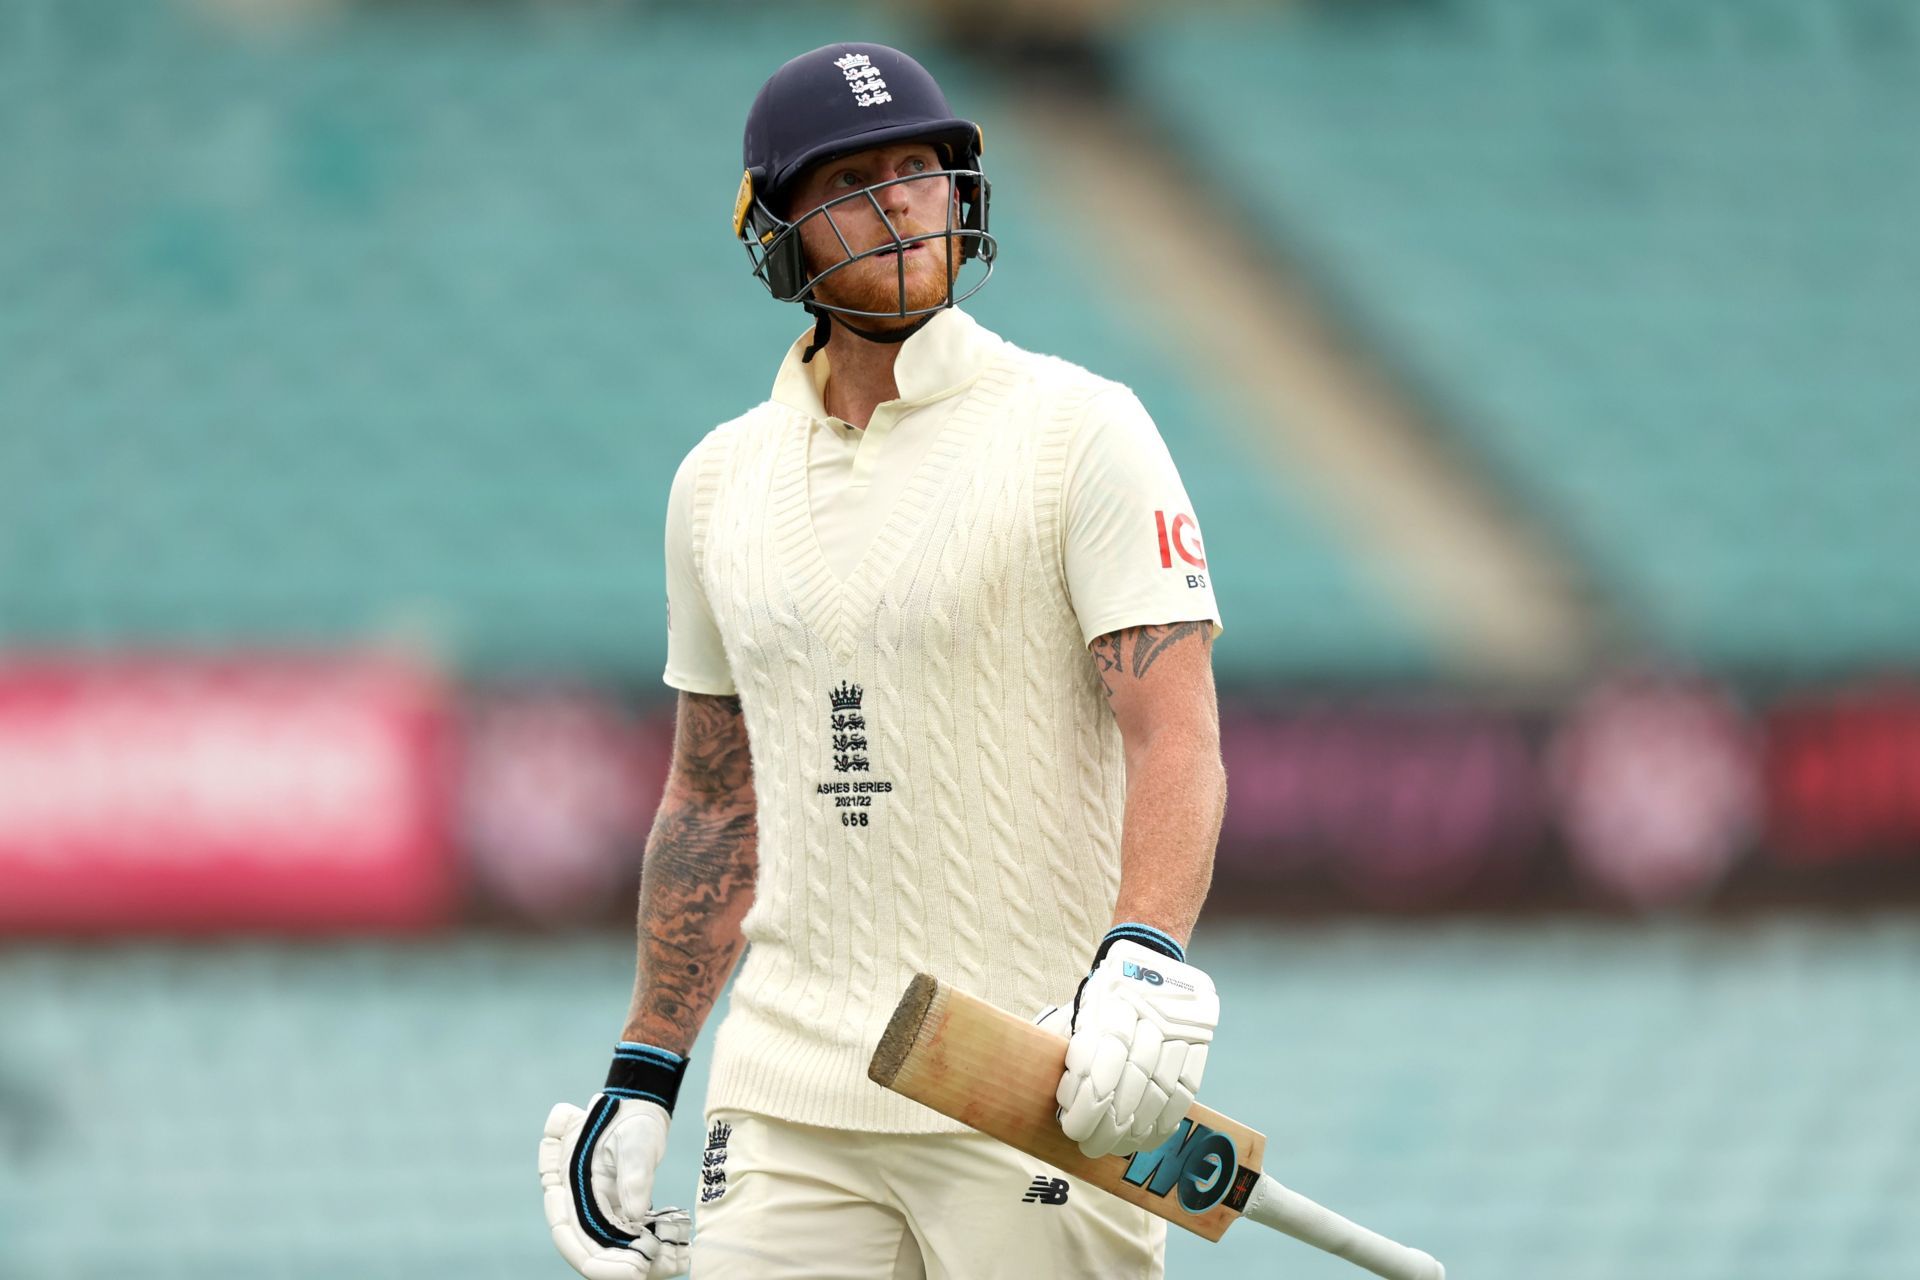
(988, 1069)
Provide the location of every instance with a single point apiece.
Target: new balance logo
(1046, 1191)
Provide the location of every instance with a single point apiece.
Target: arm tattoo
(1135, 649)
(698, 876)
(1106, 657)
(710, 750)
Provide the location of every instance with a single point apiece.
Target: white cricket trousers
(784, 1201)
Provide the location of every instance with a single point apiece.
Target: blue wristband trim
(634, 1049)
(1144, 934)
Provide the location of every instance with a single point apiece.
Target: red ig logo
(1174, 539)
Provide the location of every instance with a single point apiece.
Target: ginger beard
(873, 283)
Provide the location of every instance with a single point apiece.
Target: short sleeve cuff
(1105, 624)
(718, 688)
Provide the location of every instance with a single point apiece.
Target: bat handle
(1276, 1206)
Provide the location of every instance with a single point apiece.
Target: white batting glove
(597, 1167)
(1140, 1030)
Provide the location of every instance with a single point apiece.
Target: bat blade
(996, 1073)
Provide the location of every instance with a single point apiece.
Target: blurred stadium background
(1541, 370)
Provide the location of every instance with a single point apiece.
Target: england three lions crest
(863, 78)
(850, 757)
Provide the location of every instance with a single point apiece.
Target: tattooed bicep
(1132, 652)
(710, 749)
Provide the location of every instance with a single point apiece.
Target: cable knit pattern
(991, 856)
(909, 903)
(789, 597)
(767, 729)
(1048, 664)
(995, 703)
(950, 829)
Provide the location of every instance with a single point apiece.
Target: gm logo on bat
(1204, 1164)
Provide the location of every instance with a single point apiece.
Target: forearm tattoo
(1133, 650)
(698, 876)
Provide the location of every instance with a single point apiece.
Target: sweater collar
(948, 353)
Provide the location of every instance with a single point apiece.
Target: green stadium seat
(401, 323)
(1594, 1100)
(1653, 258)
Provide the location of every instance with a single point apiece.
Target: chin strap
(823, 329)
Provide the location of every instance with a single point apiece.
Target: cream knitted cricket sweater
(939, 779)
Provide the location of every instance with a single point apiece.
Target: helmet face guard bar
(774, 245)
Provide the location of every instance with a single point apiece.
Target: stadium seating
(1585, 1102)
(1653, 262)
(394, 326)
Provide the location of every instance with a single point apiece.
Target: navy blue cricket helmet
(832, 102)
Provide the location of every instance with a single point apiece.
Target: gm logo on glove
(1152, 977)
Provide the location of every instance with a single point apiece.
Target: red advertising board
(1657, 786)
(1844, 775)
(558, 787)
(161, 795)
(1397, 804)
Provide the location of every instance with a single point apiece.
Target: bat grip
(1276, 1206)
